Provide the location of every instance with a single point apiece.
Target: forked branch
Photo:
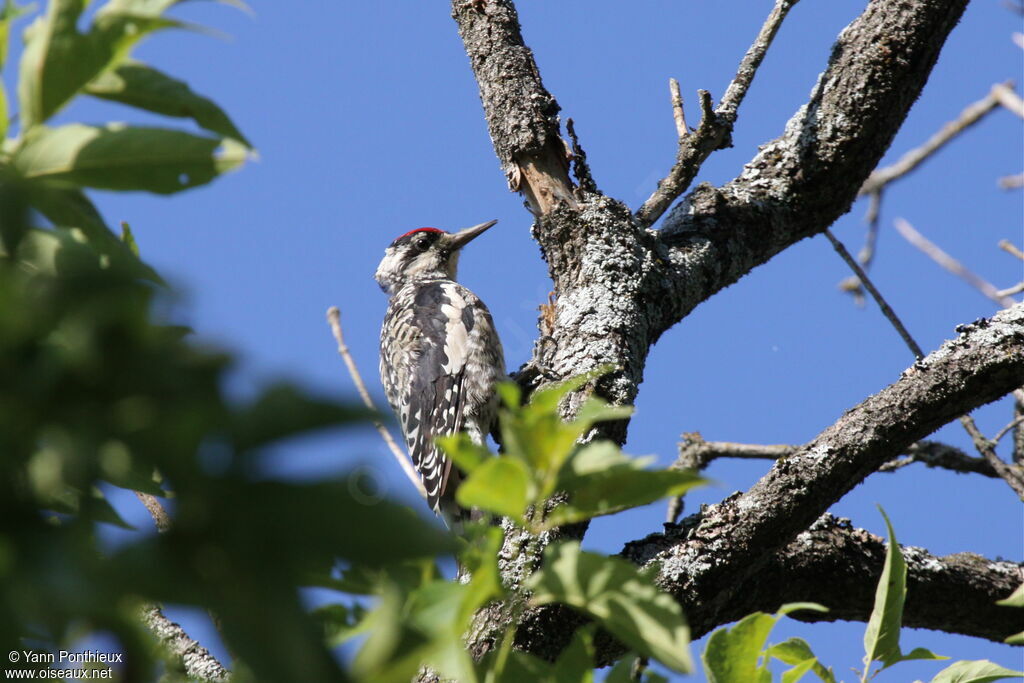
(715, 129)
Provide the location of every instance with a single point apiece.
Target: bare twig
(912, 159)
(951, 264)
(197, 660)
(1017, 419)
(1010, 291)
(696, 453)
(334, 320)
(156, 511)
(1011, 182)
(1008, 98)
(677, 108)
(715, 127)
(876, 295)
(737, 90)
(1009, 248)
(866, 254)
(1014, 476)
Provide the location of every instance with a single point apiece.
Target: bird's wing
(436, 400)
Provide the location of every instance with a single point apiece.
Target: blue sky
(368, 124)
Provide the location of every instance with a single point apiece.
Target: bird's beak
(461, 238)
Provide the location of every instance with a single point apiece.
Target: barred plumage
(440, 355)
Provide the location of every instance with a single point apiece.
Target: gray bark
(619, 286)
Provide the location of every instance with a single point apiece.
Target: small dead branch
(1009, 248)
(951, 264)
(915, 157)
(678, 114)
(715, 128)
(334, 320)
(696, 453)
(1011, 182)
(876, 295)
(156, 510)
(1005, 95)
(866, 255)
(1012, 475)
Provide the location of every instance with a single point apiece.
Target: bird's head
(423, 254)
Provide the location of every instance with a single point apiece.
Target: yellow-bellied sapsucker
(440, 355)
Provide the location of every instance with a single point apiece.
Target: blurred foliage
(97, 392)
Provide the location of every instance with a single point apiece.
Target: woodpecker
(440, 355)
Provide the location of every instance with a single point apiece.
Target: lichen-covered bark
(837, 565)
(522, 116)
(982, 364)
(619, 286)
(834, 564)
(800, 183)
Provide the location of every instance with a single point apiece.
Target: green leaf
(93, 506)
(485, 581)
(59, 60)
(142, 86)
(576, 663)
(797, 653)
(622, 672)
(1016, 598)
(617, 596)
(341, 622)
(601, 480)
(56, 62)
(129, 239)
(882, 635)
(156, 7)
(283, 410)
(511, 395)
(791, 607)
(982, 671)
(69, 208)
(466, 454)
(537, 434)
(500, 485)
(8, 13)
(733, 654)
(519, 666)
(117, 157)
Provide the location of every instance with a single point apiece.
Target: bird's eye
(422, 243)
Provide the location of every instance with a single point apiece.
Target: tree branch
(521, 114)
(801, 182)
(715, 129)
(404, 461)
(706, 561)
(196, 659)
(831, 563)
(930, 249)
(838, 566)
(985, 362)
(973, 113)
(696, 453)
